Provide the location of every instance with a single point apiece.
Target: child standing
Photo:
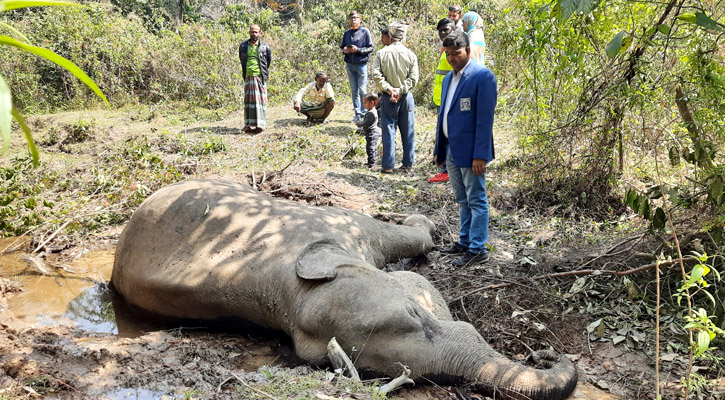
(369, 127)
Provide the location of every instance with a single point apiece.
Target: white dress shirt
(449, 95)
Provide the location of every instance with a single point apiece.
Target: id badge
(466, 104)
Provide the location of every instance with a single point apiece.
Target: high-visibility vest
(441, 70)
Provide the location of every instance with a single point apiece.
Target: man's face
(454, 15)
(445, 31)
(354, 20)
(458, 57)
(254, 32)
(385, 39)
(321, 81)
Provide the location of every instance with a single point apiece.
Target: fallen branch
(265, 394)
(665, 264)
(57, 231)
(609, 253)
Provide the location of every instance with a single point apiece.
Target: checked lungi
(255, 102)
(314, 109)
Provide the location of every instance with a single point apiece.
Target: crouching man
(320, 99)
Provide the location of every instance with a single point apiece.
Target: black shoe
(455, 248)
(470, 258)
(405, 168)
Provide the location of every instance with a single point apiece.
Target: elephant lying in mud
(213, 249)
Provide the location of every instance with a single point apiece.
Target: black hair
(371, 97)
(444, 22)
(455, 8)
(354, 12)
(320, 74)
(385, 32)
(456, 39)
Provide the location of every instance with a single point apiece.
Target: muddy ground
(535, 293)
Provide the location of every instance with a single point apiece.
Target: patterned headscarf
(471, 20)
(398, 30)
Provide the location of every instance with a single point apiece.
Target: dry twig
(255, 390)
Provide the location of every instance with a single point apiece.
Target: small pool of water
(74, 293)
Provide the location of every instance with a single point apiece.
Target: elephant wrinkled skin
(211, 249)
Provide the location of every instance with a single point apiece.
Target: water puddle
(74, 293)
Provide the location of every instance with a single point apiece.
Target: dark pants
(371, 145)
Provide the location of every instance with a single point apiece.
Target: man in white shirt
(320, 99)
(464, 141)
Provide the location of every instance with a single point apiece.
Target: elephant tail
(552, 377)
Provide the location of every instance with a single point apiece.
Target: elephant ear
(320, 259)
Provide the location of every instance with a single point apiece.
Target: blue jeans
(357, 77)
(470, 192)
(398, 115)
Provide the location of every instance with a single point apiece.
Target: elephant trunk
(418, 233)
(465, 354)
(518, 381)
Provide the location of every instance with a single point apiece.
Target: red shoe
(441, 177)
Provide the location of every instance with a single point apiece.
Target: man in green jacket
(255, 56)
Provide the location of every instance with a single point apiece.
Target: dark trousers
(371, 145)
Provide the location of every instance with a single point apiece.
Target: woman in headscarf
(473, 26)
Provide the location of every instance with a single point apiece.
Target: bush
(140, 59)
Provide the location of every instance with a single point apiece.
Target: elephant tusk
(340, 360)
(397, 382)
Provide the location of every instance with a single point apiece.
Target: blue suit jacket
(470, 119)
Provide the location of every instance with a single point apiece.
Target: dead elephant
(212, 249)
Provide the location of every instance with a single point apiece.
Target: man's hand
(395, 95)
(297, 106)
(350, 49)
(479, 166)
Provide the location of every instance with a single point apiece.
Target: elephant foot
(397, 382)
(340, 360)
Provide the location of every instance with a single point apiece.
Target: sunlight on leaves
(615, 46)
(15, 4)
(15, 32)
(28, 136)
(700, 19)
(569, 7)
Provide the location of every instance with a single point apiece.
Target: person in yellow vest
(444, 27)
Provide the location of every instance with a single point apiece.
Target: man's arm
(412, 78)
(344, 41)
(485, 106)
(367, 44)
(377, 74)
(302, 92)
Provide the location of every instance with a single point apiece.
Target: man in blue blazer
(464, 141)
